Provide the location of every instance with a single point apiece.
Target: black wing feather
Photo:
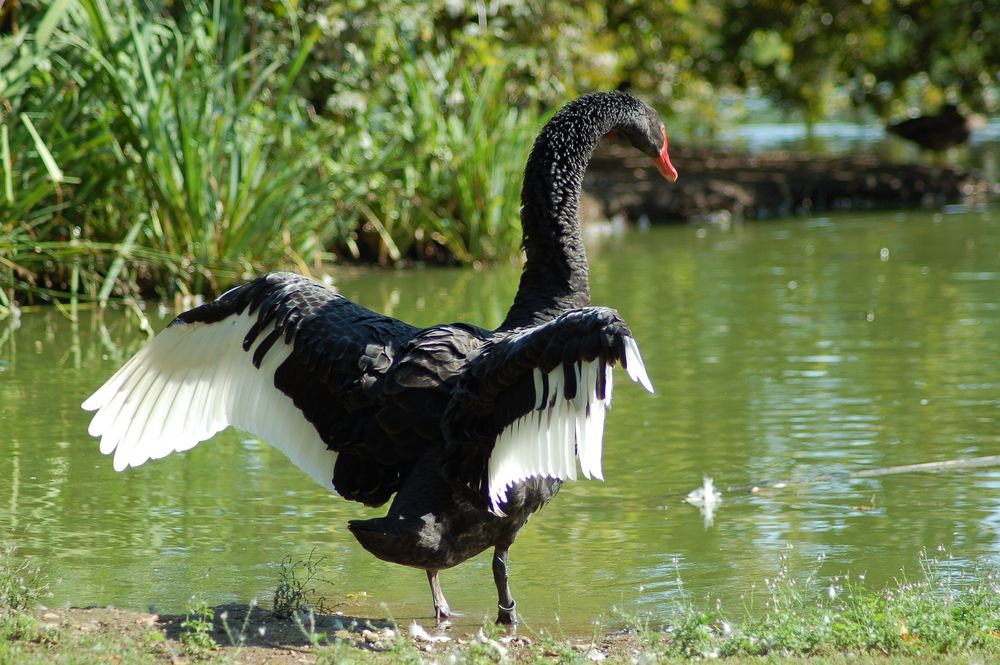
(337, 374)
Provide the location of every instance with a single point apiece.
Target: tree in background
(891, 57)
(813, 58)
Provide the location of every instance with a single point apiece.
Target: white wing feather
(548, 441)
(193, 380)
(633, 364)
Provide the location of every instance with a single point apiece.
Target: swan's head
(648, 134)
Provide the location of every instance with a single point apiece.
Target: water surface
(780, 351)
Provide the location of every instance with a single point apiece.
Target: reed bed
(149, 153)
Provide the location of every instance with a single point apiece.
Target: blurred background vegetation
(161, 147)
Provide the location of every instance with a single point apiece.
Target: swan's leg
(505, 602)
(441, 610)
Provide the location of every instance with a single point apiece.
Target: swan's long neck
(555, 276)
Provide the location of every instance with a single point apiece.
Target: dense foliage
(167, 146)
(895, 57)
(165, 151)
(814, 57)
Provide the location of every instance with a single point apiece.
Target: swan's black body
(417, 412)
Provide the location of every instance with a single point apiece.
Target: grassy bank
(152, 152)
(935, 618)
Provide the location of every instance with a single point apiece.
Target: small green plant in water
(197, 630)
(296, 585)
(22, 584)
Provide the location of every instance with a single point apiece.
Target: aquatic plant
(296, 586)
(22, 584)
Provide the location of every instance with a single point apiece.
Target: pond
(800, 350)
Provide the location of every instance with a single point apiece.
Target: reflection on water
(780, 351)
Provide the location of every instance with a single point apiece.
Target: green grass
(930, 616)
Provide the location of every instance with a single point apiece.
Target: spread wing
(532, 403)
(282, 357)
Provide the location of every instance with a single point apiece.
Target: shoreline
(717, 186)
(721, 183)
(250, 635)
(908, 621)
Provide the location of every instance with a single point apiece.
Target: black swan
(947, 129)
(473, 430)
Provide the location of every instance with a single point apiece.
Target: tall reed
(450, 178)
(219, 151)
(150, 152)
(168, 154)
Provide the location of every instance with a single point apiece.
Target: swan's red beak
(663, 164)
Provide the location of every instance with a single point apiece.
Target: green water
(779, 350)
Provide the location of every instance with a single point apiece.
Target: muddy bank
(238, 633)
(718, 183)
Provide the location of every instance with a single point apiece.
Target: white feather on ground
(194, 380)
